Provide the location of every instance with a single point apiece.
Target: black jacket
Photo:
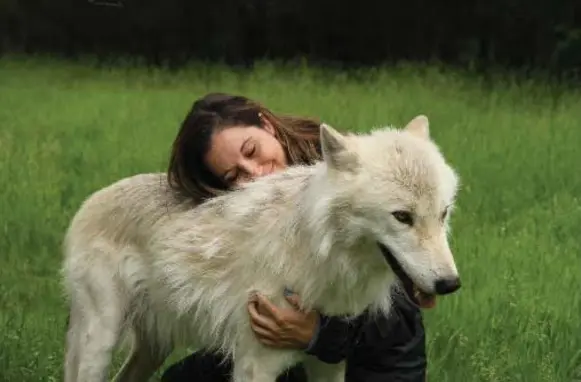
(377, 349)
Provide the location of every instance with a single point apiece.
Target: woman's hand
(281, 327)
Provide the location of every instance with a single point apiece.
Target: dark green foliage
(530, 35)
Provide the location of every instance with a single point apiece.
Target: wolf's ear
(419, 126)
(335, 150)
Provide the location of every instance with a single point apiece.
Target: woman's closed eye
(231, 176)
(249, 149)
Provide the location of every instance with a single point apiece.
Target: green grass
(66, 130)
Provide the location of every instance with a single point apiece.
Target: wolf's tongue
(426, 301)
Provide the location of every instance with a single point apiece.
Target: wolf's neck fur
(332, 244)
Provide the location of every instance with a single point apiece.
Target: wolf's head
(395, 187)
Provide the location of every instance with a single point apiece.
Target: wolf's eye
(403, 217)
(445, 213)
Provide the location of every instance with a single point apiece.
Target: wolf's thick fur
(140, 258)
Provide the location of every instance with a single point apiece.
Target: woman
(226, 140)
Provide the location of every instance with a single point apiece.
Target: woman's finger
(264, 335)
(269, 308)
(260, 320)
(294, 300)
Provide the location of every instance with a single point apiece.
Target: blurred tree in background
(526, 35)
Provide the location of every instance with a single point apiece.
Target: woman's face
(242, 153)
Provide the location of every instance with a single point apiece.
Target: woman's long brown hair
(187, 172)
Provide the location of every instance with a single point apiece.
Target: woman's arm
(327, 338)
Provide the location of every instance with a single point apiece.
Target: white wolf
(339, 233)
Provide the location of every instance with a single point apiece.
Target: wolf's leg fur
(143, 360)
(318, 371)
(72, 344)
(95, 326)
(260, 366)
(99, 336)
(94, 337)
(253, 371)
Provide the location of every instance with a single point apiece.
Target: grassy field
(66, 130)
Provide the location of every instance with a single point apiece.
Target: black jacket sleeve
(378, 348)
(391, 348)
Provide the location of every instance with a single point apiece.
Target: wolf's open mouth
(415, 294)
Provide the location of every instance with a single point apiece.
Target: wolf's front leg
(262, 365)
(318, 371)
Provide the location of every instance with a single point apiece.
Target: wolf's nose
(449, 285)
